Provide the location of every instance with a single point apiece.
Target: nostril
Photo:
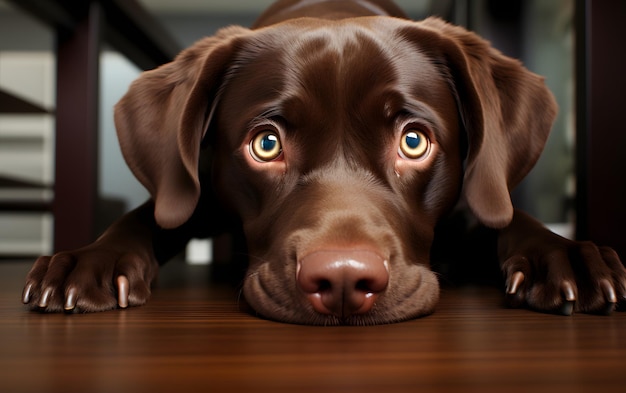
(320, 286)
(364, 286)
(342, 283)
(360, 286)
(323, 286)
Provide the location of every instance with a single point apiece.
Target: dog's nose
(342, 283)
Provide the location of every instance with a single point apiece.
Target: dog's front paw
(562, 276)
(94, 278)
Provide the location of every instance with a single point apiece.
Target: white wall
(116, 180)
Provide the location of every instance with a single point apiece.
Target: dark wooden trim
(76, 169)
(13, 182)
(601, 134)
(126, 26)
(10, 205)
(12, 104)
(51, 12)
(22, 206)
(581, 64)
(134, 32)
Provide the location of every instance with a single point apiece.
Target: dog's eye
(414, 144)
(265, 146)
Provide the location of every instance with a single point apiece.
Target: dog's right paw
(94, 278)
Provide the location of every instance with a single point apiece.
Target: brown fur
(338, 91)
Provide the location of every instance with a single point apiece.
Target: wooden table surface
(192, 337)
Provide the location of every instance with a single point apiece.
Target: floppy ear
(507, 113)
(162, 119)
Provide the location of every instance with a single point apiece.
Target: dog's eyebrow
(411, 108)
(272, 114)
(279, 110)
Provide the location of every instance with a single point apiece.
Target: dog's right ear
(507, 113)
(163, 117)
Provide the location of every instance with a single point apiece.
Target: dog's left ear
(162, 119)
(507, 113)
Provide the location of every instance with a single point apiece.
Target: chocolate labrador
(340, 138)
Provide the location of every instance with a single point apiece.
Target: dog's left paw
(551, 274)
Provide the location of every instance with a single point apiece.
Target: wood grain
(192, 337)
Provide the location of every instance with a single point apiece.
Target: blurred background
(64, 64)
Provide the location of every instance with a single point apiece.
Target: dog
(340, 138)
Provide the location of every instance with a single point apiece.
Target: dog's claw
(122, 291)
(620, 297)
(70, 300)
(514, 297)
(26, 294)
(570, 299)
(609, 291)
(516, 280)
(568, 291)
(45, 297)
(609, 295)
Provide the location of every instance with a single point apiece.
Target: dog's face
(332, 142)
(339, 145)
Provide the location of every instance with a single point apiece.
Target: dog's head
(339, 145)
